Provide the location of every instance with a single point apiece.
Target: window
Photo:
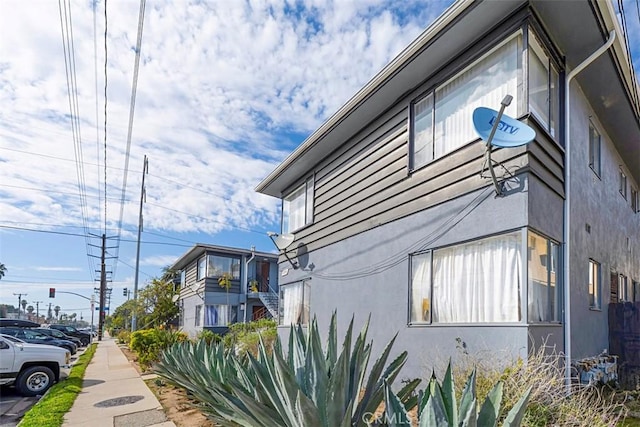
(294, 304)
(543, 86)
(595, 285)
(220, 315)
(441, 120)
(198, 315)
(202, 268)
(635, 201)
(217, 265)
(594, 149)
(297, 207)
(625, 289)
(183, 278)
(473, 282)
(623, 184)
(543, 288)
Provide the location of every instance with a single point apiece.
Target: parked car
(33, 336)
(73, 332)
(32, 368)
(59, 335)
(18, 322)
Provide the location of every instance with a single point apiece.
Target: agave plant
(437, 405)
(309, 386)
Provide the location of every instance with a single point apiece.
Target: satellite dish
(283, 241)
(509, 132)
(195, 287)
(175, 298)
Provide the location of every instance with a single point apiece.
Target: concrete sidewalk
(114, 395)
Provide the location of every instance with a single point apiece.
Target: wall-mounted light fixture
(282, 242)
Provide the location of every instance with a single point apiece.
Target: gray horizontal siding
(211, 285)
(546, 160)
(191, 274)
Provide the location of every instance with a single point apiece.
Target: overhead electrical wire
(95, 78)
(132, 106)
(420, 245)
(66, 27)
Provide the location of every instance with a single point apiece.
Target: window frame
(307, 191)
(622, 183)
(635, 201)
(592, 155)
(553, 266)
(304, 316)
(201, 275)
(232, 316)
(555, 85)
(594, 290)
(198, 309)
(623, 290)
(210, 274)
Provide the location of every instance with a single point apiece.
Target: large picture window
(218, 265)
(297, 207)
(220, 315)
(441, 119)
(482, 281)
(473, 282)
(294, 304)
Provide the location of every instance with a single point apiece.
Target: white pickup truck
(32, 368)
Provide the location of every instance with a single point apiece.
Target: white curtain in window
(216, 315)
(478, 281)
(421, 288)
(292, 303)
(483, 84)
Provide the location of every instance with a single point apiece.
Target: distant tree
(24, 305)
(3, 270)
(56, 310)
(30, 310)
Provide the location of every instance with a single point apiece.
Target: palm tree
(30, 310)
(24, 305)
(3, 270)
(56, 310)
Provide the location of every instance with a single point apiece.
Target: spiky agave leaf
(449, 396)
(515, 415)
(394, 410)
(490, 409)
(468, 399)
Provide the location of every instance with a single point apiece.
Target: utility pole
(103, 287)
(37, 303)
(134, 316)
(19, 302)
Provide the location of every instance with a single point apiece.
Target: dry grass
(552, 403)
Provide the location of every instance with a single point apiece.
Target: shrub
(149, 344)
(124, 336)
(209, 336)
(244, 337)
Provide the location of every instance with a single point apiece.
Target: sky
(225, 91)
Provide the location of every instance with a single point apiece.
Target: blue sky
(226, 90)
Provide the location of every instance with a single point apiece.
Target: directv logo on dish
(504, 127)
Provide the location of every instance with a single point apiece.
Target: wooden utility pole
(103, 287)
(134, 316)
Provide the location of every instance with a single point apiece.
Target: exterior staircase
(270, 300)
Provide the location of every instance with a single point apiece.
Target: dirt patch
(177, 404)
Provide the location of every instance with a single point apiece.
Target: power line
(132, 107)
(95, 70)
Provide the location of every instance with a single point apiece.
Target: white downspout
(567, 202)
(246, 280)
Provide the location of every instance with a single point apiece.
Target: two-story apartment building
(397, 222)
(204, 304)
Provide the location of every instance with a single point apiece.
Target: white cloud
(226, 90)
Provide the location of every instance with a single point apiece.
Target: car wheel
(34, 380)
(85, 341)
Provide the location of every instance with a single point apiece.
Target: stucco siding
(614, 236)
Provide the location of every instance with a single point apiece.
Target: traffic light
(52, 292)
(124, 292)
